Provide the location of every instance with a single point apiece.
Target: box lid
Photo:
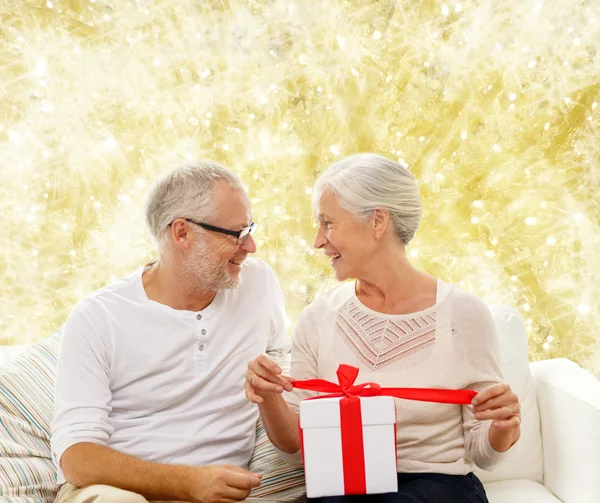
(325, 412)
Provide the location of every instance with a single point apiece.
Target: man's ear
(180, 231)
(380, 219)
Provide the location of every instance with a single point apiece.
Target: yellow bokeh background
(493, 106)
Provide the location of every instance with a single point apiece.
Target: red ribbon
(353, 455)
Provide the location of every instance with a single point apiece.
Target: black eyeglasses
(240, 236)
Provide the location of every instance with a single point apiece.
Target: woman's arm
(265, 384)
(492, 422)
(499, 404)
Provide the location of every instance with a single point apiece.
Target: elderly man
(150, 399)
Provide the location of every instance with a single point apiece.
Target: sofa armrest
(569, 403)
(7, 353)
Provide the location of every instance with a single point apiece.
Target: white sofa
(558, 456)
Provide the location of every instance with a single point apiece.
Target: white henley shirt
(162, 384)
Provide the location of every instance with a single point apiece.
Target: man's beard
(204, 272)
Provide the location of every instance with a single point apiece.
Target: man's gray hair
(186, 192)
(364, 182)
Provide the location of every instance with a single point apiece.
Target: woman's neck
(396, 287)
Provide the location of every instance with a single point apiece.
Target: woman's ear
(380, 219)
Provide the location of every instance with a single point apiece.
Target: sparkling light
(101, 97)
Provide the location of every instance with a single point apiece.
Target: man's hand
(221, 484)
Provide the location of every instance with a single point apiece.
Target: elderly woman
(400, 327)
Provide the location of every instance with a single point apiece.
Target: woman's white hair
(364, 182)
(186, 192)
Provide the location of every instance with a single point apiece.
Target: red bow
(348, 374)
(351, 419)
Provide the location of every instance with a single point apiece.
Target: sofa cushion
(518, 491)
(281, 481)
(27, 473)
(526, 462)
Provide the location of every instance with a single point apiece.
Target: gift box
(348, 437)
(359, 460)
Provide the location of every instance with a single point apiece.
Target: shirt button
(203, 331)
(201, 347)
(199, 317)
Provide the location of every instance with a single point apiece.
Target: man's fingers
(238, 469)
(242, 479)
(233, 494)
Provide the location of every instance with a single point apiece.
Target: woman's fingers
(497, 402)
(256, 369)
(508, 424)
(257, 382)
(268, 370)
(496, 396)
(268, 364)
(501, 413)
(251, 395)
(490, 393)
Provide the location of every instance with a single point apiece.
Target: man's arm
(82, 426)
(82, 395)
(86, 464)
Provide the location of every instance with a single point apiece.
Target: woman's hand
(264, 378)
(499, 404)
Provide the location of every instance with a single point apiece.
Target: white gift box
(322, 446)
